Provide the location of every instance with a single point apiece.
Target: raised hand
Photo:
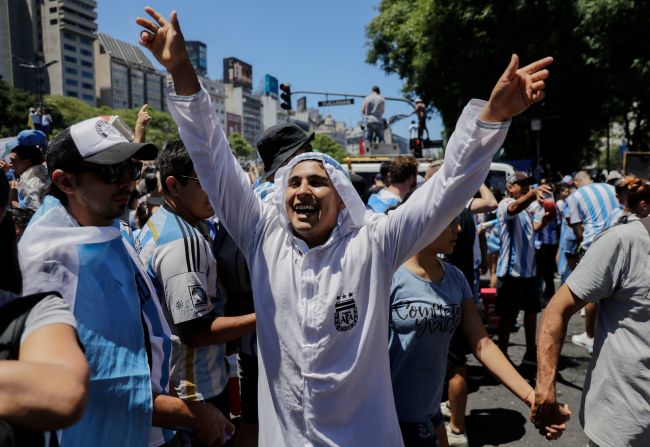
(163, 38)
(165, 41)
(516, 90)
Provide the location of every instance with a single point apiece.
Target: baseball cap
(96, 141)
(30, 138)
(278, 143)
(613, 176)
(518, 177)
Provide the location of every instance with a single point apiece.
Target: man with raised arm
(321, 265)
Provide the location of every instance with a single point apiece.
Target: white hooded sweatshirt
(322, 312)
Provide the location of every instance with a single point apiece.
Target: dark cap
(279, 143)
(519, 177)
(96, 141)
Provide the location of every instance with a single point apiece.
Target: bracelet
(525, 399)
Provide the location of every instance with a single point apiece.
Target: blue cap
(29, 138)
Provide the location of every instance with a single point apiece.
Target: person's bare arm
(206, 422)
(46, 388)
(549, 344)
(578, 230)
(141, 123)
(485, 203)
(221, 330)
(517, 206)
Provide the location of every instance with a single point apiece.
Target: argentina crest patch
(345, 312)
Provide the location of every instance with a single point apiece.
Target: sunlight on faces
(312, 202)
(446, 241)
(18, 164)
(190, 198)
(516, 190)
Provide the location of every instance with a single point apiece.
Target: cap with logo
(29, 138)
(519, 177)
(96, 141)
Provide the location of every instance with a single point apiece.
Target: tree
(14, 109)
(450, 51)
(325, 144)
(240, 146)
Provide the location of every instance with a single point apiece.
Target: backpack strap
(646, 223)
(13, 316)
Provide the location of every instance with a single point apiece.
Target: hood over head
(354, 213)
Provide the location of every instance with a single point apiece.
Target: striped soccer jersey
(182, 267)
(591, 205)
(517, 255)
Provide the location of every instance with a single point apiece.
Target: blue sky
(313, 45)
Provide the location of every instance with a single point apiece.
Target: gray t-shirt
(615, 272)
(373, 108)
(50, 310)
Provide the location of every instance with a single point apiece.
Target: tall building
(125, 77)
(240, 101)
(272, 113)
(198, 54)
(19, 29)
(67, 35)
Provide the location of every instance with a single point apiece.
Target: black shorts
(458, 350)
(515, 294)
(248, 386)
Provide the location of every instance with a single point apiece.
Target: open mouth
(305, 211)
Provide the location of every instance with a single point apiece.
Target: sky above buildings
(314, 45)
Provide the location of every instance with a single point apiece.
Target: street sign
(336, 102)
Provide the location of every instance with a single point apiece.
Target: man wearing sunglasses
(74, 246)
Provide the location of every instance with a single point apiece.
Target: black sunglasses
(112, 174)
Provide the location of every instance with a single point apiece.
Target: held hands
(548, 415)
(516, 90)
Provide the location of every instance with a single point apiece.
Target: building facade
(125, 77)
(240, 101)
(198, 54)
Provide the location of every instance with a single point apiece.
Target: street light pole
(39, 76)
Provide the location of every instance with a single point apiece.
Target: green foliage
(241, 147)
(325, 144)
(67, 111)
(14, 109)
(449, 51)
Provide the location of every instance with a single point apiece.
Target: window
(53, 9)
(86, 63)
(85, 52)
(72, 60)
(70, 93)
(54, 21)
(67, 46)
(69, 36)
(85, 40)
(72, 82)
(87, 85)
(88, 97)
(85, 74)
(71, 70)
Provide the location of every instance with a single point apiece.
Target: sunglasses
(112, 174)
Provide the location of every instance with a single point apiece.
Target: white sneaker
(583, 340)
(456, 439)
(445, 410)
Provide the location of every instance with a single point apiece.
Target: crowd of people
(145, 279)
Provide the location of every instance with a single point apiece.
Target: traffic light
(286, 96)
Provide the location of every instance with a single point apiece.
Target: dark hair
(150, 182)
(384, 169)
(21, 216)
(637, 191)
(376, 89)
(10, 277)
(174, 161)
(143, 213)
(30, 153)
(402, 168)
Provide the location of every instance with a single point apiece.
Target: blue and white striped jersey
(591, 205)
(182, 267)
(517, 255)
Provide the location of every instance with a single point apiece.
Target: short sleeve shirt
(424, 315)
(591, 205)
(182, 267)
(517, 255)
(615, 272)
